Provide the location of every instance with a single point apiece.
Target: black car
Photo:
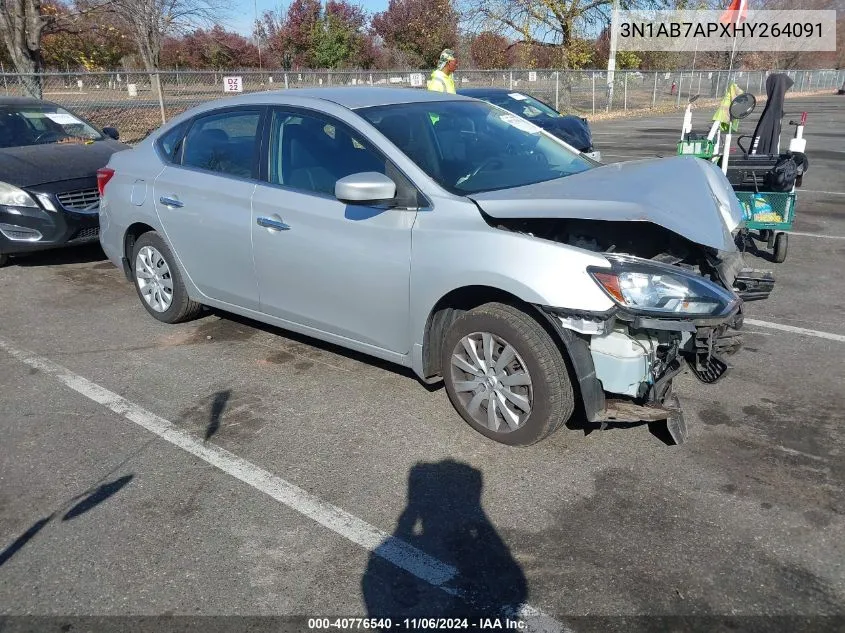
(571, 129)
(48, 176)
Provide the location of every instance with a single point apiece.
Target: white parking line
(827, 237)
(829, 193)
(350, 527)
(797, 330)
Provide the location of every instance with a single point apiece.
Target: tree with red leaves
(420, 29)
(490, 50)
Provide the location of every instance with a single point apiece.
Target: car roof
(352, 97)
(20, 101)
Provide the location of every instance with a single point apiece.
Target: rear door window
(224, 143)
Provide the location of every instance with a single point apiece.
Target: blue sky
(242, 12)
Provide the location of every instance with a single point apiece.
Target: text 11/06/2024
(415, 624)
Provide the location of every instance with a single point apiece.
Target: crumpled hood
(686, 195)
(38, 164)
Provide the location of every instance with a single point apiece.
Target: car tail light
(103, 176)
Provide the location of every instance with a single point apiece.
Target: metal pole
(654, 94)
(762, 73)
(5, 85)
(594, 93)
(286, 81)
(161, 98)
(626, 92)
(557, 90)
(680, 87)
(699, 82)
(511, 81)
(611, 60)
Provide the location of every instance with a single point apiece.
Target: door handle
(171, 202)
(269, 223)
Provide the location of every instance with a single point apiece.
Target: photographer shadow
(444, 520)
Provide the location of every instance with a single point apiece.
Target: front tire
(505, 375)
(158, 281)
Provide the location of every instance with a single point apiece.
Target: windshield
(21, 126)
(523, 105)
(472, 146)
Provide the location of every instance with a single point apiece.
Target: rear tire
(3, 259)
(530, 390)
(158, 281)
(781, 246)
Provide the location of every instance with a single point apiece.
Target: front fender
(468, 252)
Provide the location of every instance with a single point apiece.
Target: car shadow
(457, 564)
(86, 254)
(303, 339)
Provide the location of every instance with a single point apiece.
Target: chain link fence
(133, 103)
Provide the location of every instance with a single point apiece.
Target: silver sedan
(444, 234)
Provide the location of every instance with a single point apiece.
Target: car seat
(14, 131)
(409, 136)
(306, 158)
(207, 150)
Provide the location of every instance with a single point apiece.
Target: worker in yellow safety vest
(441, 78)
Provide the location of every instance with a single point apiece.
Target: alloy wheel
(155, 283)
(492, 381)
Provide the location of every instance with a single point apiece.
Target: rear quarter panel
(128, 198)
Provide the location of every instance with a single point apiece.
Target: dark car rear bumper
(27, 229)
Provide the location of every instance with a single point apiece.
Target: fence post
(625, 91)
(557, 90)
(286, 81)
(511, 81)
(160, 87)
(5, 85)
(680, 87)
(699, 82)
(654, 94)
(594, 93)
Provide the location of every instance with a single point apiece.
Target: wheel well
(132, 234)
(455, 303)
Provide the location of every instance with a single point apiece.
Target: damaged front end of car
(667, 229)
(677, 306)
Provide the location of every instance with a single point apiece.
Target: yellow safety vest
(441, 82)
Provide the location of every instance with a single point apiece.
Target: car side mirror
(365, 188)
(111, 132)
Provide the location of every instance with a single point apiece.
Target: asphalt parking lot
(223, 467)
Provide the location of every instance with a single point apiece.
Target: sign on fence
(133, 89)
(233, 84)
(532, 75)
(416, 80)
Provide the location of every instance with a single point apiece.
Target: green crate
(702, 148)
(767, 209)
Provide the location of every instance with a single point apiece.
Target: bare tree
(24, 22)
(151, 20)
(546, 22)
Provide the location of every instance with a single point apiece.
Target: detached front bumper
(625, 365)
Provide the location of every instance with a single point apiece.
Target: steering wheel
(48, 134)
(487, 163)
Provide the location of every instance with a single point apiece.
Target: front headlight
(11, 196)
(661, 290)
